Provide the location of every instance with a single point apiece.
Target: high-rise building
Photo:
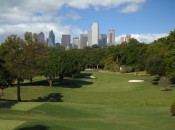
(65, 40)
(128, 36)
(122, 39)
(111, 37)
(93, 35)
(83, 40)
(102, 40)
(89, 37)
(51, 39)
(41, 37)
(41, 40)
(76, 42)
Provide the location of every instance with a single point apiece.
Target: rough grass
(108, 102)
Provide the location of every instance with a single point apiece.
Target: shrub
(112, 66)
(172, 110)
(126, 69)
(164, 83)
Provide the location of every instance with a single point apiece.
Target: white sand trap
(92, 77)
(136, 81)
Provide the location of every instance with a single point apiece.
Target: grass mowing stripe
(25, 106)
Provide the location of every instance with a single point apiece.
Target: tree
(61, 63)
(50, 66)
(20, 58)
(170, 64)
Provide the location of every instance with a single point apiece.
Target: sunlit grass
(107, 102)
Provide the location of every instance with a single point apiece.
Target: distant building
(83, 40)
(125, 39)
(51, 39)
(128, 36)
(41, 39)
(93, 35)
(89, 37)
(111, 37)
(57, 44)
(65, 40)
(76, 42)
(122, 39)
(102, 40)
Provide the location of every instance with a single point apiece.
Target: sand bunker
(135, 81)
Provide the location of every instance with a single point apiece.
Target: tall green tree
(21, 57)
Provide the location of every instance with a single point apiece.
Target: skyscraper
(41, 37)
(102, 40)
(83, 40)
(76, 42)
(65, 40)
(51, 39)
(41, 40)
(93, 35)
(89, 37)
(111, 37)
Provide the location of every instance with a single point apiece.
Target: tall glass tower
(51, 39)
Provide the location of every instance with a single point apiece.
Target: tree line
(25, 58)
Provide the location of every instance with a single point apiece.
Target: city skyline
(145, 20)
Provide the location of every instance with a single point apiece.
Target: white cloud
(146, 38)
(131, 8)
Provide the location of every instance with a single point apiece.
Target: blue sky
(145, 20)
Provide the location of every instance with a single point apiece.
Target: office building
(76, 42)
(51, 39)
(41, 37)
(102, 40)
(111, 37)
(93, 35)
(89, 37)
(83, 40)
(65, 40)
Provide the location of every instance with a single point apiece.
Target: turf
(108, 102)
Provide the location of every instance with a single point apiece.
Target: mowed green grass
(108, 102)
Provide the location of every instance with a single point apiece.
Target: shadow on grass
(156, 81)
(7, 104)
(36, 127)
(36, 83)
(82, 75)
(75, 82)
(72, 83)
(53, 97)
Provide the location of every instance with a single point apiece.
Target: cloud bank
(146, 38)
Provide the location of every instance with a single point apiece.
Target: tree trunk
(97, 67)
(18, 90)
(50, 83)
